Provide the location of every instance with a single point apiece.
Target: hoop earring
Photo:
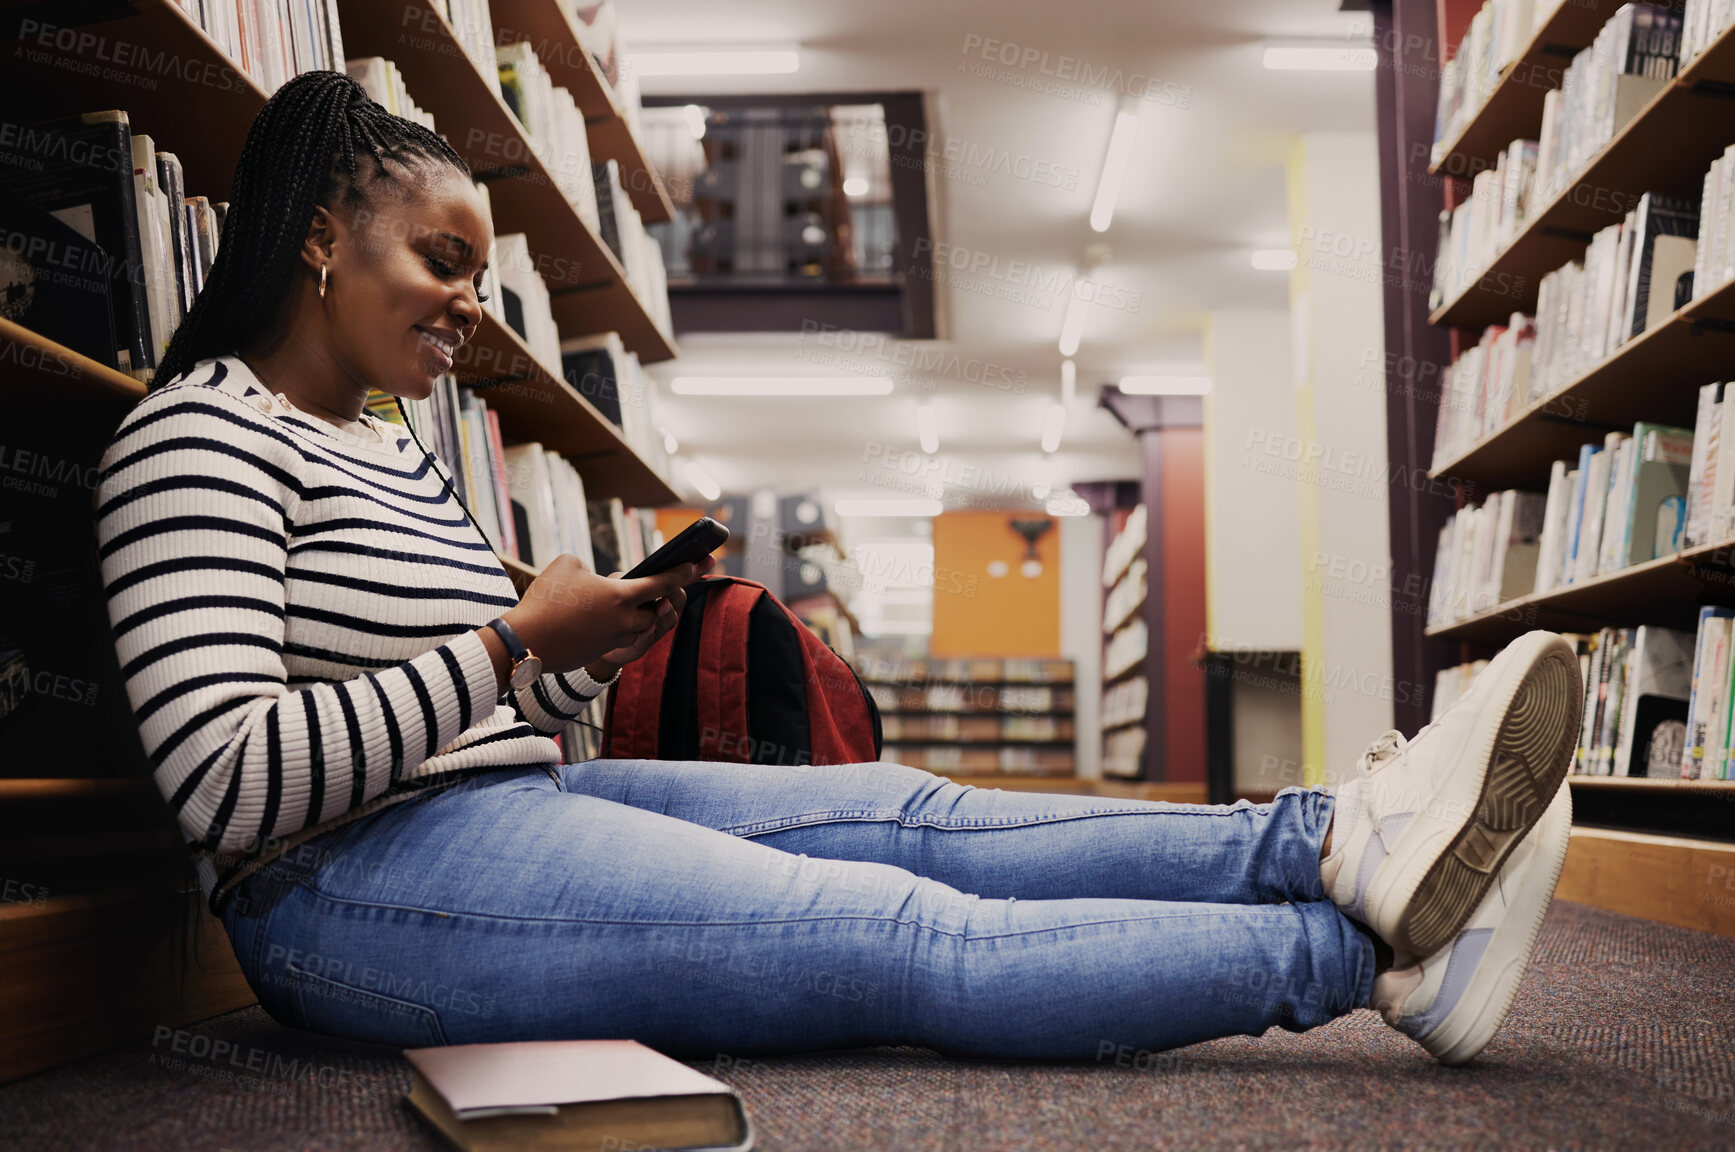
(322, 281)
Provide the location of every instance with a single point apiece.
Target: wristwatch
(526, 665)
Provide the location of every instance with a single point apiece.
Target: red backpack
(740, 678)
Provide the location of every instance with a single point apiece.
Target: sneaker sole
(1438, 882)
(1458, 1041)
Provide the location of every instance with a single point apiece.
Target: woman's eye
(440, 266)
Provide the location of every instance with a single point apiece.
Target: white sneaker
(1424, 826)
(1454, 1001)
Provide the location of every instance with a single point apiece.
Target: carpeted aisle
(1622, 1037)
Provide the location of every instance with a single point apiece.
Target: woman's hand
(570, 616)
(668, 615)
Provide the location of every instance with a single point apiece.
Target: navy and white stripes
(294, 608)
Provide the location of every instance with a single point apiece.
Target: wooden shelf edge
(1646, 783)
(57, 789)
(1672, 879)
(1524, 606)
(67, 365)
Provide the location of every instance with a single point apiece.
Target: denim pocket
(359, 1014)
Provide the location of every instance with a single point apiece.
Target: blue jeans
(704, 908)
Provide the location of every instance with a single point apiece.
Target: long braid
(303, 150)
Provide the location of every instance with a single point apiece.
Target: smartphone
(693, 543)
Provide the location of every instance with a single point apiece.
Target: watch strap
(514, 646)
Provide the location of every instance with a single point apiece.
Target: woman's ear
(322, 236)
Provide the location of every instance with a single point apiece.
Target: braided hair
(304, 149)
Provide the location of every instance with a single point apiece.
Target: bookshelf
(1126, 703)
(548, 25)
(1012, 717)
(1517, 97)
(1665, 148)
(587, 285)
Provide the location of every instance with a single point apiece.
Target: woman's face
(405, 295)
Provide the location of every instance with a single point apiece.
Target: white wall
(1252, 530)
(1081, 544)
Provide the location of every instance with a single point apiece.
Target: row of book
(1123, 752)
(1633, 57)
(1495, 38)
(969, 699)
(1126, 648)
(1658, 702)
(1624, 503)
(119, 250)
(1633, 276)
(981, 729)
(612, 379)
(1702, 21)
(1714, 260)
(1126, 596)
(1127, 543)
(1124, 702)
(1475, 231)
(272, 41)
(985, 670)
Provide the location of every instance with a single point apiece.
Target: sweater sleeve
(550, 701)
(194, 503)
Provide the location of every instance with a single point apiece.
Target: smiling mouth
(444, 347)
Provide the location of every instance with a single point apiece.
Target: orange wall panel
(976, 614)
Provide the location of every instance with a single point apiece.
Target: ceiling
(1205, 185)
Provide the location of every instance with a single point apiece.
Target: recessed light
(1321, 58)
(713, 61)
(780, 385)
(855, 186)
(889, 506)
(1165, 385)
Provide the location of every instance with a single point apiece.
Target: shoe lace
(1387, 747)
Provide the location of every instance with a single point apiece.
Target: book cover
(171, 181)
(502, 497)
(80, 171)
(54, 281)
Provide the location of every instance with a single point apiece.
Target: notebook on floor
(580, 1095)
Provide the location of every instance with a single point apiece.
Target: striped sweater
(294, 608)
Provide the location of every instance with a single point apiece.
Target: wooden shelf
(1136, 668)
(1134, 722)
(588, 285)
(81, 789)
(520, 572)
(536, 403)
(1666, 148)
(1646, 784)
(1667, 591)
(1514, 109)
(548, 25)
(1655, 376)
(194, 101)
(37, 370)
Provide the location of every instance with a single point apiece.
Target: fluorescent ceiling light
(1052, 427)
(1321, 58)
(1165, 385)
(701, 481)
(780, 385)
(928, 428)
(890, 506)
(670, 444)
(1068, 381)
(1067, 504)
(1274, 259)
(713, 61)
(1072, 327)
(1114, 169)
(855, 186)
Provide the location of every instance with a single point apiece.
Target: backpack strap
(722, 698)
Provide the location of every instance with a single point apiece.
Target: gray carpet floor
(1623, 1036)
